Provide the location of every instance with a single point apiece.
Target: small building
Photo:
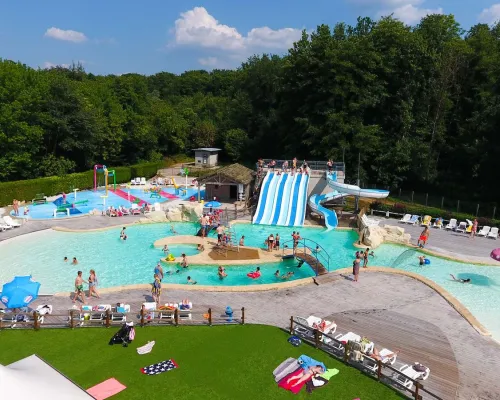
(206, 157)
(228, 183)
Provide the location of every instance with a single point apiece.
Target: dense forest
(421, 105)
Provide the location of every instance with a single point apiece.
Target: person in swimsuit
(79, 292)
(376, 355)
(270, 242)
(323, 326)
(305, 375)
(421, 260)
(184, 261)
(190, 281)
(220, 234)
(288, 275)
(159, 271)
(65, 259)
(467, 280)
(75, 261)
(277, 242)
(294, 165)
(165, 250)
(424, 236)
(355, 268)
(301, 263)
(172, 230)
(221, 272)
(200, 247)
(156, 289)
(123, 235)
(277, 273)
(93, 284)
(242, 241)
(473, 229)
(329, 164)
(365, 258)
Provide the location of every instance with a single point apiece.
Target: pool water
(95, 201)
(178, 249)
(132, 261)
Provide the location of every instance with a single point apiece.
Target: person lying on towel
(305, 375)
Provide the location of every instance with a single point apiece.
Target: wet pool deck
(395, 311)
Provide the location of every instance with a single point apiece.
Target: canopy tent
(33, 378)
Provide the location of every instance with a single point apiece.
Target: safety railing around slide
(384, 373)
(313, 165)
(144, 317)
(309, 251)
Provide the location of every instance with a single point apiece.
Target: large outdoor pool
(129, 262)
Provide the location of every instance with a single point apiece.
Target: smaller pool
(178, 249)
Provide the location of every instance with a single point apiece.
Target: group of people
(15, 208)
(361, 257)
(272, 242)
(285, 167)
(79, 281)
(208, 220)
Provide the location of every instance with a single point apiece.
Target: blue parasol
(20, 292)
(212, 204)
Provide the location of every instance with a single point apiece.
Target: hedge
(418, 209)
(50, 186)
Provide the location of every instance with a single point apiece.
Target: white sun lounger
(142, 181)
(484, 231)
(438, 223)
(407, 375)
(369, 222)
(426, 221)
(4, 227)
(452, 224)
(372, 364)
(462, 226)
(9, 221)
(99, 315)
(405, 218)
(312, 320)
(413, 220)
(119, 313)
(493, 233)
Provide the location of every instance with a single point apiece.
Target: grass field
(220, 362)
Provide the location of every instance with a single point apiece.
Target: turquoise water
(178, 249)
(128, 262)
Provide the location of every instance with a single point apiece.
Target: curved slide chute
(340, 190)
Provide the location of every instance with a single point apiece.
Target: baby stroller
(124, 336)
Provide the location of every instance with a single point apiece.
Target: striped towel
(146, 348)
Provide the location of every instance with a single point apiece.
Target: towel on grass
(160, 367)
(106, 389)
(307, 362)
(288, 386)
(321, 380)
(146, 348)
(286, 367)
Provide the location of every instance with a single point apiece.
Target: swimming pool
(131, 262)
(88, 200)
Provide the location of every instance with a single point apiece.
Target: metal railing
(313, 165)
(308, 247)
(384, 373)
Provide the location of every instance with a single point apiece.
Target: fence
(383, 372)
(313, 165)
(86, 319)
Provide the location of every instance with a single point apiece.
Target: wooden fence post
(417, 385)
(316, 338)
(346, 352)
(210, 316)
(71, 319)
(379, 369)
(242, 315)
(176, 317)
(107, 319)
(142, 315)
(291, 325)
(35, 321)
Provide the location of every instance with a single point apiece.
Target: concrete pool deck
(404, 314)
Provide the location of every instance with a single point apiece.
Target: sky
(129, 36)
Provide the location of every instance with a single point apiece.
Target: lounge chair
(5, 227)
(119, 313)
(42, 310)
(493, 233)
(99, 314)
(315, 321)
(438, 223)
(40, 198)
(135, 210)
(142, 181)
(413, 220)
(484, 231)
(408, 374)
(9, 221)
(462, 226)
(451, 225)
(369, 222)
(372, 364)
(405, 218)
(426, 221)
(150, 307)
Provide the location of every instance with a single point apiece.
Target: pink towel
(106, 389)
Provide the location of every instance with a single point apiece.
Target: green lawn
(220, 362)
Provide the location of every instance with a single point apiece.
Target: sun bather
(376, 355)
(323, 326)
(306, 375)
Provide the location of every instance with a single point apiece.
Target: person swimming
(288, 275)
(75, 261)
(277, 273)
(65, 259)
(123, 235)
(421, 260)
(165, 249)
(467, 280)
(190, 281)
(221, 272)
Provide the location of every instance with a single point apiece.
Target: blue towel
(308, 362)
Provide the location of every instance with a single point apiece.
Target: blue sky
(116, 37)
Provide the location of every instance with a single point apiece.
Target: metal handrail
(313, 165)
(323, 253)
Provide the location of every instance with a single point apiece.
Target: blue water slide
(278, 200)
(286, 198)
(292, 213)
(302, 202)
(262, 198)
(269, 200)
(331, 220)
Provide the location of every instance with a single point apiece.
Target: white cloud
(66, 35)
(48, 65)
(490, 15)
(208, 61)
(197, 27)
(410, 14)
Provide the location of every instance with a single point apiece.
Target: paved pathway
(477, 357)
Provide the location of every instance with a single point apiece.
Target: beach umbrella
(20, 292)
(495, 254)
(212, 204)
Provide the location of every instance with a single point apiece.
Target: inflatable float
(254, 275)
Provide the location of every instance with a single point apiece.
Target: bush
(50, 186)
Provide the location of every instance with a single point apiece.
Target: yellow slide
(175, 184)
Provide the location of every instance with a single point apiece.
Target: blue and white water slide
(264, 188)
(272, 195)
(301, 202)
(340, 190)
(286, 201)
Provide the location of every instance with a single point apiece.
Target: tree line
(420, 106)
